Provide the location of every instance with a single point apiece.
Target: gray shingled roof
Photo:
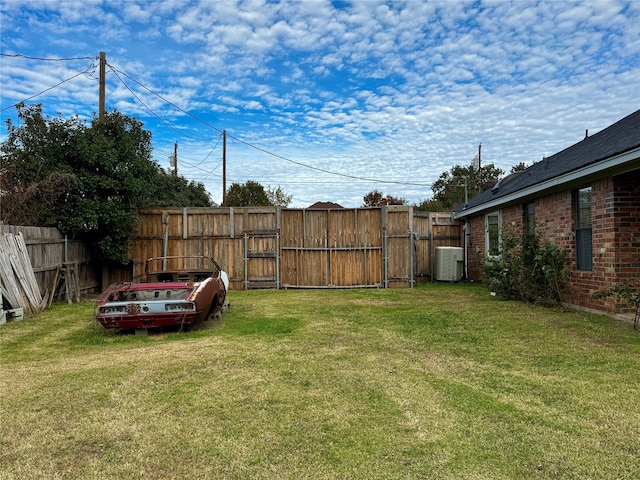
(622, 136)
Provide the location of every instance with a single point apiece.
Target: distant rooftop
(324, 206)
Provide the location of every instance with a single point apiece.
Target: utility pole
(479, 172)
(466, 192)
(224, 168)
(101, 94)
(175, 159)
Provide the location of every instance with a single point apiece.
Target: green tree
(89, 181)
(518, 168)
(37, 147)
(32, 184)
(449, 189)
(429, 206)
(245, 194)
(177, 191)
(277, 197)
(375, 198)
(113, 165)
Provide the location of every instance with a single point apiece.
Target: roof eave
(615, 165)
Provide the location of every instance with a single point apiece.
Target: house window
(584, 253)
(493, 233)
(529, 212)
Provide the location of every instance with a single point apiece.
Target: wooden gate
(261, 259)
(331, 248)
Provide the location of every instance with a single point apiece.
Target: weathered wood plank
(47, 249)
(18, 280)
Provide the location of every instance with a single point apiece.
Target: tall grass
(440, 381)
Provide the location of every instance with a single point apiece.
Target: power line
(194, 163)
(84, 72)
(19, 55)
(117, 73)
(207, 156)
(168, 102)
(260, 149)
(323, 170)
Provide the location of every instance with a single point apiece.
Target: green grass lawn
(436, 382)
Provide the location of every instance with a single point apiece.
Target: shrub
(528, 271)
(624, 291)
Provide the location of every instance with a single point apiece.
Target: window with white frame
(493, 229)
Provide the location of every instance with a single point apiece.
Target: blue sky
(331, 100)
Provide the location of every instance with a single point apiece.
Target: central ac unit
(449, 264)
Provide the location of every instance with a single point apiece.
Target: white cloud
(389, 90)
(138, 12)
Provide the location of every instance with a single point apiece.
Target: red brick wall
(513, 220)
(618, 253)
(555, 221)
(626, 192)
(615, 207)
(476, 247)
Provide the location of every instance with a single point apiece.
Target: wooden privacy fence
(272, 247)
(63, 268)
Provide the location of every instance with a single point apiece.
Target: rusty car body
(173, 291)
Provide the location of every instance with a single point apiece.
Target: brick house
(584, 199)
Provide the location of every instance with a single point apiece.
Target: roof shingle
(622, 136)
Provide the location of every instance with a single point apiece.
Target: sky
(331, 100)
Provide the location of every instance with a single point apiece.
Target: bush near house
(528, 271)
(624, 291)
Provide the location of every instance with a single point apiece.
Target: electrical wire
(210, 152)
(118, 74)
(19, 55)
(260, 149)
(115, 72)
(168, 102)
(190, 165)
(196, 165)
(84, 72)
